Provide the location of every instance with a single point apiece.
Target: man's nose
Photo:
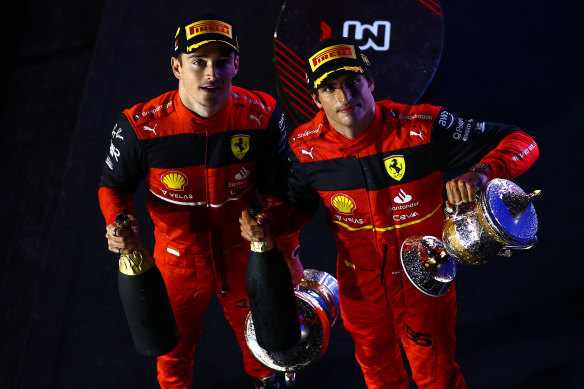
(211, 71)
(343, 94)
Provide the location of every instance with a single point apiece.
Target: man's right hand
(123, 240)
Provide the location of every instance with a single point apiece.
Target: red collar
(215, 123)
(371, 136)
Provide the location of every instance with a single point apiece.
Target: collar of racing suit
(351, 146)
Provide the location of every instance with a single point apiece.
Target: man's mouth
(348, 109)
(211, 88)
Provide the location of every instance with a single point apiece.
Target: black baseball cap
(202, 30)
(334, 55)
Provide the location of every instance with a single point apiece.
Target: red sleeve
(113, 202)
(514, 154)
(287, 243)
(287, 221)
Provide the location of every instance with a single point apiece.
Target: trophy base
(415, 251)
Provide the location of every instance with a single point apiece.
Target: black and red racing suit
(200, 174)
(379, 189)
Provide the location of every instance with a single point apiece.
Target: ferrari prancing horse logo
(395, 166)
(239, 145)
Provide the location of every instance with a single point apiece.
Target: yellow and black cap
(334, 55)
(205, 29)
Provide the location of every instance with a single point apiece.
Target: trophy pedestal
(317, 303)
(427, 265)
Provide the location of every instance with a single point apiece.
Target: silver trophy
(317, 302)
(502, 219)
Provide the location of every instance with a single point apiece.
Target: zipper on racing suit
(215, 245)
(382, 277)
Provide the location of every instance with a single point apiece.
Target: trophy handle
(452, 213)
(506, 250)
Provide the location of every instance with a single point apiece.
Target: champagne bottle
(271, 298)
(145, 301)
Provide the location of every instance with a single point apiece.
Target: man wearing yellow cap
(205, 151)
(379, 169)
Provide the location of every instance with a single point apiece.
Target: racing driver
(205, 151)
(379, 168)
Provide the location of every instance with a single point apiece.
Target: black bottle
(271, 297)
(145, 301)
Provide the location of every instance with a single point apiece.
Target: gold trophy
(502, 219)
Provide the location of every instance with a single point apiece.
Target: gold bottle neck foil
(135, 263)
(261, 247)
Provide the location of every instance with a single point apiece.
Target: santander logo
(402, 197)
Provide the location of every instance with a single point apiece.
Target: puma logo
(413, 133)
(308, 152)
(153, 129)
(257, 119)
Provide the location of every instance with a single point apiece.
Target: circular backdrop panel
(402, 38)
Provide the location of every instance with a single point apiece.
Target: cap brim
(197, 45)
(353, 69)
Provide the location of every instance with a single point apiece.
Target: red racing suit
(379, 189)
(200, 174)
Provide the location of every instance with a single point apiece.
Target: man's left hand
(464, 188)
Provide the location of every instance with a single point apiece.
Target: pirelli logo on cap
(207, 27)
(331, 52)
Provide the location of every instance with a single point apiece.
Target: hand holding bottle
(122, 236)
(258, 230)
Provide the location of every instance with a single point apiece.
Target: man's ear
(371, 85)
(235, 64)
(176, 67)
(315, 99)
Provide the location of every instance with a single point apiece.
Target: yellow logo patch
(343, 204)
(174, 180)
(208, 26)
(239, 145)
(395, 166)
(331, 52)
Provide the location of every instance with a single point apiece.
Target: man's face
(347, 101)
(206, 77)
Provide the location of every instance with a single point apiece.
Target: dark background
(70, 67)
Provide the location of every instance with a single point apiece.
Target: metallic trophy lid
(511, 210)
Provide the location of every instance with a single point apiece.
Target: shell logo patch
(240, 145)
(395, 166)
(343, 204)
(174, 180)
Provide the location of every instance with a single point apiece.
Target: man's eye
(198, 62)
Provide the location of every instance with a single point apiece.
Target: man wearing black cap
(205, 151)
(379, 168)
